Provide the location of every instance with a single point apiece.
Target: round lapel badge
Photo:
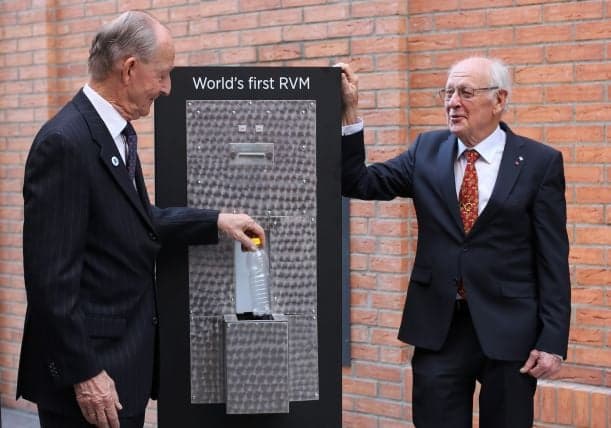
(114, 160)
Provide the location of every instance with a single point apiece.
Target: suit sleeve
(380, 181)
(54, 238)
(552, 250)
(183, 225)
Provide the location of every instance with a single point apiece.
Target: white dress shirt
(490, 151)
(111, 117)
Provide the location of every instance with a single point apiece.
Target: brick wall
(560, 54)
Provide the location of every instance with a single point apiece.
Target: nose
(453, 100)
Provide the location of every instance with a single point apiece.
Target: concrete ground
(12, 418)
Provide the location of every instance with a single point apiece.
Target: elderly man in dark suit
(91, 236)
(489, 294)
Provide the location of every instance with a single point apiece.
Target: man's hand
(350, 94)
(541, 364)
(99, 401)
(240, 227)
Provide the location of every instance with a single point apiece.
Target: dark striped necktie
(130, 157)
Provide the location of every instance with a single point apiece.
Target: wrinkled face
(149, 80)
(472, 118)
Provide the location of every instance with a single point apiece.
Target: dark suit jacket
(514, 262)
(89, 247)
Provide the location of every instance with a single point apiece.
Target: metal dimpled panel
(257, 366)
(276, 185)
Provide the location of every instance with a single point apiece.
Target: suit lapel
(512, 163)
(109, 155)
(447, 182)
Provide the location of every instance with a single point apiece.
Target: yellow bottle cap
(256, 240)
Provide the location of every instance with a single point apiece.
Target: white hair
(133, 33)
(498, 74)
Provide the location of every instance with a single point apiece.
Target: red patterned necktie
(468, 195)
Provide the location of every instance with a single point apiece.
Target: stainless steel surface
(274, 182)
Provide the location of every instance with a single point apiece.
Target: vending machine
(264, 141)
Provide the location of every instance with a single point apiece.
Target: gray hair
(133, 33)
(499, 74)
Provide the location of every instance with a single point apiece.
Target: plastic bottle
(259, 279)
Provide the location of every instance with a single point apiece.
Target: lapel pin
(518, 160)
(114, 160)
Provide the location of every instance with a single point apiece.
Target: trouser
(444, 383)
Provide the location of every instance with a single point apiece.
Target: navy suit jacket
(89, 247)
(513, 262)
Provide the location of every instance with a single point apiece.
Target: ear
(500, 100)
(127, 69)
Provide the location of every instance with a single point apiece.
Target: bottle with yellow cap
(259, 279)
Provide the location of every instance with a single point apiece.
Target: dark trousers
(444, 383)
(50, 419)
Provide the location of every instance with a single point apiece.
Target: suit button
(155, 320)
(465, 249)
(152, 236)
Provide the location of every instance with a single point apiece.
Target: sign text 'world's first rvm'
(253, 83)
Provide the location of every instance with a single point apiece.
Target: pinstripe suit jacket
(513, 262)
(89, 247)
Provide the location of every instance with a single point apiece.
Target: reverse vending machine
(263, 141)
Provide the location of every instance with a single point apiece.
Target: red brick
(328, 48)
(391, 301)
(377, 371)
(459, 20)
(358, 387)
(427, 43)
(584, 174)
(520, 15)
(593, 30)
(279, 52)
(547, 399)
(572, 52)
(543, 33)
(493, 37)
(379, 407)
(238, 55)
(593, 317)
(365, 352)
(593, 276)
(304, 32)
(593, 112)
(518, 55)
(544, 113)
(326, 13)
(280, 17)
(391, 25)
(358, 420)
(573, 11)
(350, 28)
(427, 6)
(391, 391)
(581, 408)
(378, 8)
(420, 23)
(574, 93)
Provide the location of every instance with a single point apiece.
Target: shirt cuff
(352, 128)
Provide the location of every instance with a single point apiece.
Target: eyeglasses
(464, 92)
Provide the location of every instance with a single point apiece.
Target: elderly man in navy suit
(489, 293)
(90, 238)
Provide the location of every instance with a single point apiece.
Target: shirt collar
(487, 147)
(110, 116)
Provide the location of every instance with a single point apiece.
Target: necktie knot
(130, 157)
(471, 155)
